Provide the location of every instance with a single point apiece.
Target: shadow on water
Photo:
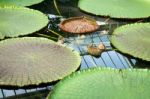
(142, 64)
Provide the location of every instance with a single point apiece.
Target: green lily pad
(130, 9)
(32, 61)
(103, 83)
(16, 21)
(133, 39)
(20, 2)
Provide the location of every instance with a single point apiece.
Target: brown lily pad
(79, 25)
(32, 61)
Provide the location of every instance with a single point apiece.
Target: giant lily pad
(32, 61)
(130, 9)
(104, 84)
(20, 2)
(15, 21)
(133, 39)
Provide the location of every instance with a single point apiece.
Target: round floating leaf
(129, 9)
(133, 39)
(20, 2)
(104, 84)
(15, 21)
(32, 61)
(79, 25)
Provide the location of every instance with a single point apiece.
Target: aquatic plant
(33, 61)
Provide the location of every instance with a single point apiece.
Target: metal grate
(110, 58)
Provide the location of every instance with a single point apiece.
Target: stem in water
(55, 4)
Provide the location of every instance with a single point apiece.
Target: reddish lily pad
(79, 25)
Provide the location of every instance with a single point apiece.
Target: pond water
(111, 58)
